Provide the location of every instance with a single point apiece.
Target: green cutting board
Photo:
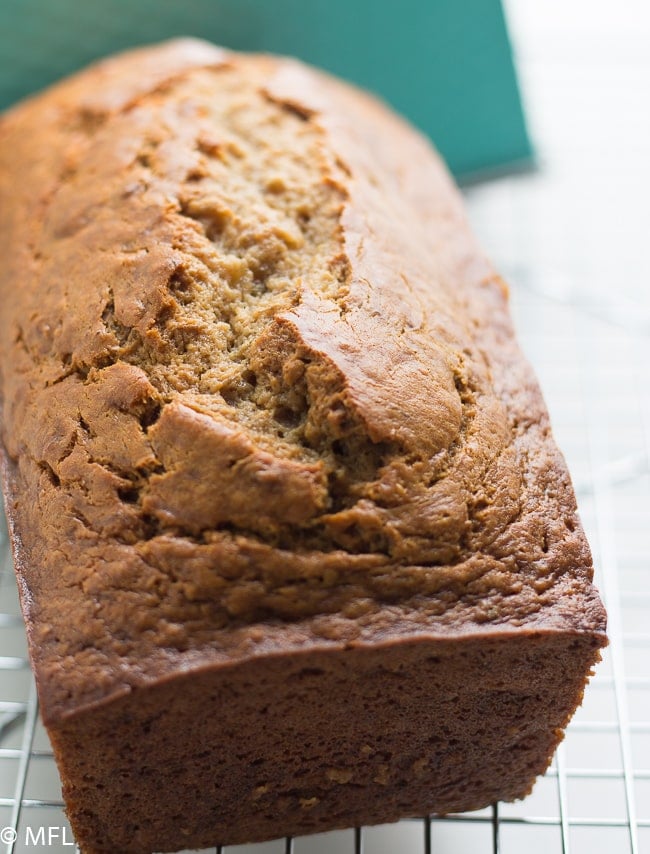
(446, 64)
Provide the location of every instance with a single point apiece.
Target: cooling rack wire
(571, 240)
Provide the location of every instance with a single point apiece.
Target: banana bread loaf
(295, 546)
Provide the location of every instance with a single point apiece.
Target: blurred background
(558, 194)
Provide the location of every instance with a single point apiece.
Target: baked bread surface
(265, 420)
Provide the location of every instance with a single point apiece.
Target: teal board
(446, 64)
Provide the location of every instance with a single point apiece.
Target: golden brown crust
(318, 740)
(260, 388)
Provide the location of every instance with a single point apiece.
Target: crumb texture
(255, 369)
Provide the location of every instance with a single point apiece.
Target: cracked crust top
(259, 385)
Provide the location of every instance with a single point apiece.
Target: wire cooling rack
(579, 269)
